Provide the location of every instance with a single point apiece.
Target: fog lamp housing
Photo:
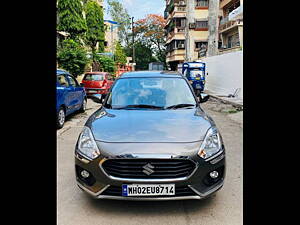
(85, 174)
(214, 174)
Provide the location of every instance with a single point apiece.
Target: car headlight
(211, 144)
(87, 144)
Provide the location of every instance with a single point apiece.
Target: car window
(61, 79)
(94, 77)
(162, 92)
(195, 73)
(73, 82)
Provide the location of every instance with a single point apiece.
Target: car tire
(83, 106)
(60, 118)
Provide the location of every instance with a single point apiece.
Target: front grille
(159, 168)
(179, 191)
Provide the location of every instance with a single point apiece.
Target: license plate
(198, 86)
(148, 189)
(92, 91)
(197, 78)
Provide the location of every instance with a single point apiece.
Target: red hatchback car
(97, 83)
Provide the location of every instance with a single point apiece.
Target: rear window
(94, 77)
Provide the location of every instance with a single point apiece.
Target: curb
(226, 101)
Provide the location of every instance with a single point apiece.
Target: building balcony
(225, 26)
(177, 33)
(179, 11)
(175, 55)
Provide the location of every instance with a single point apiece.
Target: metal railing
(226, 25)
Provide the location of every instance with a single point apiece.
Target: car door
(76, 93)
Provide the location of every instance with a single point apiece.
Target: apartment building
(176, 16)
(111, 35)
(231, 25)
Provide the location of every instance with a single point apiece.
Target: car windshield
(94, 77)
(152, 93)
(195, 73)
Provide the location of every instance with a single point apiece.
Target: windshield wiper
(177, 106)
(141, 106)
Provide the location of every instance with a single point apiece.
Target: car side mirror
(97, 98)
(203, 97)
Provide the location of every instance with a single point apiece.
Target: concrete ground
(76, 208)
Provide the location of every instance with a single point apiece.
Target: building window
(201, 24)
(180, 23)
(175, 44)
(200, 44)
(201, 3)
(180, 44)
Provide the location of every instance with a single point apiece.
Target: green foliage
(120, 56)
(143, 55)
(95, 25)
(119, 14)
(72, 57)
(107, 64)
(70, 18)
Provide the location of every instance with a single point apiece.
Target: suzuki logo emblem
(148, 169)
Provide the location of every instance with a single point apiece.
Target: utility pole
(133, 49)
(189, 40)
(213, 13)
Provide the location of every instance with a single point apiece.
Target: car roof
(60, 71)
(151, 74)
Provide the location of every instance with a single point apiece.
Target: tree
(120, 55)
(105, 63)
(70, 18)
(72, 57)
(150, 31)
(144, 55)
(95, 27)
(119, 14)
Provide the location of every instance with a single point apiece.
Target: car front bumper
(195, 182)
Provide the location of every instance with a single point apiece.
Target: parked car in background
(97, 83)
(70, 96)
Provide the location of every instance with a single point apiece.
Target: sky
(141, 8)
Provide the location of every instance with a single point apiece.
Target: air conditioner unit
(181, 3)
(192, 25)
(181, 46)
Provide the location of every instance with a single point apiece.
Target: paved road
(76, 208)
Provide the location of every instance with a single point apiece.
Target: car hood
(181, 125)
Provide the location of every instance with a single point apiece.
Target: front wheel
(61, 117)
